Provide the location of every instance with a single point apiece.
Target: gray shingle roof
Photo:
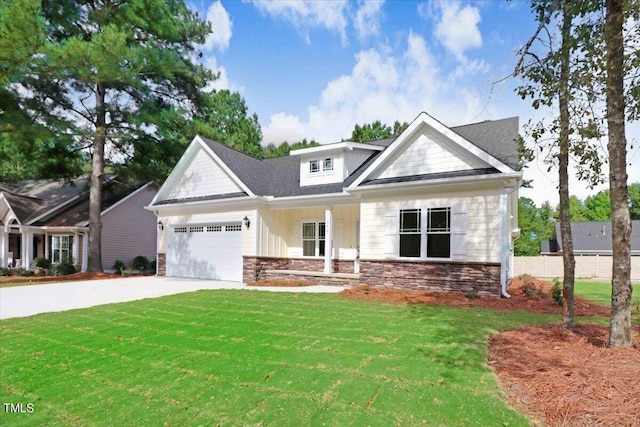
(280, 176)
(595, 236)
(32, 199)
(497, 137)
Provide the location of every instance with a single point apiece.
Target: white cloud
(458, 29)
(308, 14)
(222, 82)
(221, 28)
(367, 19)
(383, 85)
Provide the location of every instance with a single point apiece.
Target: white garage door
(207, 251)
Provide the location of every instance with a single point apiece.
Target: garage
(205, 251)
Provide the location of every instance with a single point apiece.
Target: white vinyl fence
(587, 266)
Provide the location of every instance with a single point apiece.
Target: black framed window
(410, 233)
(438, 233)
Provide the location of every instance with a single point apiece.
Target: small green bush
(41, 263)
(5, 271)
(529, 287)
(64, 267)
(141, 263)
(119, 266)
(556, 292)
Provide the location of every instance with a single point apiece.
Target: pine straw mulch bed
(556, 377)
(282, 283)
(6, 281)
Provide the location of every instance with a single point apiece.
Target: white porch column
(85, 251)
(328, 239)
(76, 248)
(24, 248)
(28, 249)
(4, 246)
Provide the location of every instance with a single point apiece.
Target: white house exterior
(433, 209)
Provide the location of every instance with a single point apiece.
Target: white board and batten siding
(203, 177)
(129, 230)
(430, 153)
(474, 224)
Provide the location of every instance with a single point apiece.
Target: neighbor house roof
(61, 203)
(594, 237)
(280, 176)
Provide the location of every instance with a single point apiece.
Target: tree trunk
(95, 193)
(620, 324)
(568, 260)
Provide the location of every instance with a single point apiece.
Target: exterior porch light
(160, 225)
(247, 222)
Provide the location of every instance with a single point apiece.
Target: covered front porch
(20, 245)
(311, 243)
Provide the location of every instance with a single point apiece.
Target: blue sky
(313, 69)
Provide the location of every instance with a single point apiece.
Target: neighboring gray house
(590, 238)
(49, 219)
(434, 209)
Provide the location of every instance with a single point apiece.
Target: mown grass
(256, 358)
(600, 292)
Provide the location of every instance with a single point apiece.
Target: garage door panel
(210, 251)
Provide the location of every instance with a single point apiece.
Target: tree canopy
(377, 130)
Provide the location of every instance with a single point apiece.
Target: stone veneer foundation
(482, 279)
(162, 265)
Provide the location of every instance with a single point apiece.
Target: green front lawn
(256, 358)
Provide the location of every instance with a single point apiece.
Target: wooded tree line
(537, 223)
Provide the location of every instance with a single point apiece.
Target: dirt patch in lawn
(556, 377)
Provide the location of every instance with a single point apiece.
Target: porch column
(25, 246)
(76, 248)
(328, 239)
(4, 246)
(85, 251)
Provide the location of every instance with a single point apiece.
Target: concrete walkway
(22, 301)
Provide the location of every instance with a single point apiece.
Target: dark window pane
(321, 230)
(438, 245)
(321, 247)
(309, 248)
(409, 220)
(308, 230)
(439, 219)
(410, 245)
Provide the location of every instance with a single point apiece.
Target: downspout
(505, 247)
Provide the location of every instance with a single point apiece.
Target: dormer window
(327, 165)
(314, 166)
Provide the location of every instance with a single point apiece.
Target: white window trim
(423, 234)
(324, 164)
(317, 240)
(59, 249)
(317, 168)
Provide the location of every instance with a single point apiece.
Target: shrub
(119, 266)
(556, 292)
(41, 263)
(64, 267)
(141, 263)
(529, 287)
(5, 271)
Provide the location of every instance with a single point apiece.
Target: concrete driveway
(22, 301)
